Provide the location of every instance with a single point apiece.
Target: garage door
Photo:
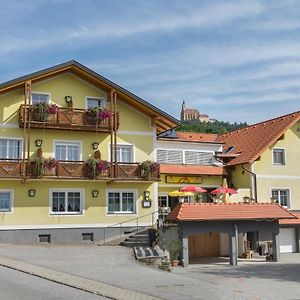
(204, 245)
(287, 240)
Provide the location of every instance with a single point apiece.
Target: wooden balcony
(82, 171)
(75, 170)
(68, 119)
(10, 168)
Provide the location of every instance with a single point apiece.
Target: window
(279, 157)
(229, 149)
(121, 202)
(10, 148)
(125, 153)
(67, 151)
(5, 201)
(198, 158)
(163, 201)
(39, 98)
(169, 156)
(282, 196)
(94, 102)
(64, 202)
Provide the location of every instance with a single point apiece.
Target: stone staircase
(139, 239)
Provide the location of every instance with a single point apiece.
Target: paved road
(117, 266)
(16, 286)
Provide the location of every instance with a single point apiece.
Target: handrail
(120, 224)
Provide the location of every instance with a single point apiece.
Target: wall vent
(88, 237)
(45, 238)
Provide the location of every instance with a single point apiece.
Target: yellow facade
(135, 129)
(272, 176)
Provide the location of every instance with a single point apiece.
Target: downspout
(254, 183)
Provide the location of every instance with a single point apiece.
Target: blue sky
(234, 60)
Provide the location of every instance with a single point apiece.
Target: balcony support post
(26, 129)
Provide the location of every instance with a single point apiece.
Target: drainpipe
(254, 184)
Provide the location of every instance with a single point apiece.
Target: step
(130, 243)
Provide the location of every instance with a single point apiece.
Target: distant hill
(208, 127)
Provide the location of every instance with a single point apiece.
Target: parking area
(208, 280)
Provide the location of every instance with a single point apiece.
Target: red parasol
(224, 190)
(193, 189)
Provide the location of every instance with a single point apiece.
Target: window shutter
(169, 156)
(198, 158)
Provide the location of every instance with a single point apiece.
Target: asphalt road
(116, 266)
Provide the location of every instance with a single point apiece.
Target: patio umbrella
(180, 194)
(193, 189)
(223, 190)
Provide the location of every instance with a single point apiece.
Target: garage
(287, 240)
(204, 245)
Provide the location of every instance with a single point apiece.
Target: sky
(233, 60)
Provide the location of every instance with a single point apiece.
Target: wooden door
(204, 245)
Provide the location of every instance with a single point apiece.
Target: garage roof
(291, 221)
(228, 211)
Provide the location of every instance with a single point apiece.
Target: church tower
(182, 111)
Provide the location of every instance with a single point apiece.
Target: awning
(180, 194)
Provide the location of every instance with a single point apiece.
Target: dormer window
(278, 157)
(229, 149)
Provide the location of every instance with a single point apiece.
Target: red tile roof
(191, 111)
(291, 221)
(192, 170)
(253, 140)
(228, 211)
(195, 137)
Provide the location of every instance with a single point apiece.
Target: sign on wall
(183, 179)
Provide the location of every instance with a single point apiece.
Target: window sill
(120, 213)
(66, 213)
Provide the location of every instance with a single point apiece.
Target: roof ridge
(260, 123)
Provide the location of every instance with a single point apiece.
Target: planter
(37, 116)
(50, 172)
(175, 262)
(91, 119)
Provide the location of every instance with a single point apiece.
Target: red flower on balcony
(50, 163)
(52, 109)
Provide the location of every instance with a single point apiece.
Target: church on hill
(189, 114)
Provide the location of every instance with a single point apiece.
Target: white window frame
(71, 213)
(135, 206)
(68, 142)
(123, 144)
(163, 195)
(15, 139)
(103, 101)
(289, 200)
(41, 93)
(284, 157)
(11, 203)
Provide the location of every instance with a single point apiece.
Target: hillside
(208, 127)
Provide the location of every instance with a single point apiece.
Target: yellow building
(77, 155)
(264, 162)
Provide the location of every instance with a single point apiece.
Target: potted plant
(96, 114)
(96, 167)
(149, 169)
(174, 248)
(39, 167)
(50, 165)
(42, 110)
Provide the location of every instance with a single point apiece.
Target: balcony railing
(10, 168)
(68, 119)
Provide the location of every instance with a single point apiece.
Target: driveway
(116, 266)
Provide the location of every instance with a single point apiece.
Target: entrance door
(204, 245)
